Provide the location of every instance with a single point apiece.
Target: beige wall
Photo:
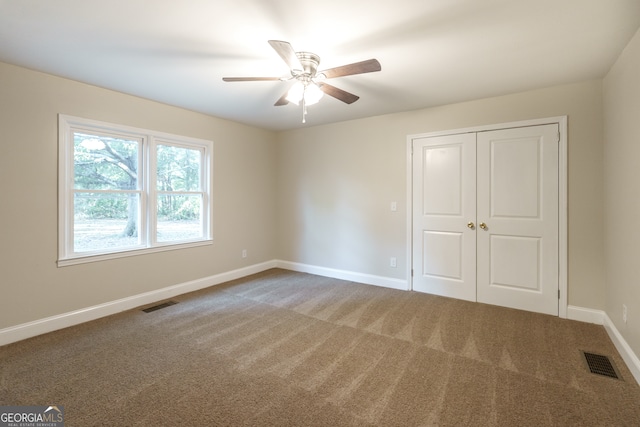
(336, 183)
(31, 285)
(318, 195)
(622, 192)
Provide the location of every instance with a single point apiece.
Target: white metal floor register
(32, 416)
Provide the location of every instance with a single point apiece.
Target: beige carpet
(289, 349)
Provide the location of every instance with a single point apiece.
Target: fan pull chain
(304, 105)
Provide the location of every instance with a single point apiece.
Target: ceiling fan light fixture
(296, 93)
(310, 92)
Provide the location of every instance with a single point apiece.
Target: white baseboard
(367, 279)
(60, 321)
(600, 317)
(630, 358)
(587, 315)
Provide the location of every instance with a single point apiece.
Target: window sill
(83, 259)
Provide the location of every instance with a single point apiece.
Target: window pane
(104, 163)
(179, 217)
(105, 221)
(178, 169)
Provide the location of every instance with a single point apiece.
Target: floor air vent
(601, 365)
(159, 306)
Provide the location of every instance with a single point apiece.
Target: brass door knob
(470, 225)
(483, 225)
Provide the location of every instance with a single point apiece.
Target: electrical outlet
(394, 206)
(244, 253)
(624, 313)
(392, 262)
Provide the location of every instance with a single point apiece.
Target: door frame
(563, 206)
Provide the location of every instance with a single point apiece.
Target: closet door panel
(517, 202)
(444, 245)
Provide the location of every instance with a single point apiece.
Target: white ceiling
(433, 52)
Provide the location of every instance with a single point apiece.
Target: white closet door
(517, 214)
(444, 203)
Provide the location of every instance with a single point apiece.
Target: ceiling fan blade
(362, 67)
(286, 52)
(282, 100)
(340, 94)
(250, 79)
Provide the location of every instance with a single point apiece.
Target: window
(126, 191)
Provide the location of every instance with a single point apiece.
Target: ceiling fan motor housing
(309, 62)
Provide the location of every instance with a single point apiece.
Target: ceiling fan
(310, 84)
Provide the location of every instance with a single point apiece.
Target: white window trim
(149, 139)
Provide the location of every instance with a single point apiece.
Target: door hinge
(558, 136)
(558, 293)
(412, 272)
